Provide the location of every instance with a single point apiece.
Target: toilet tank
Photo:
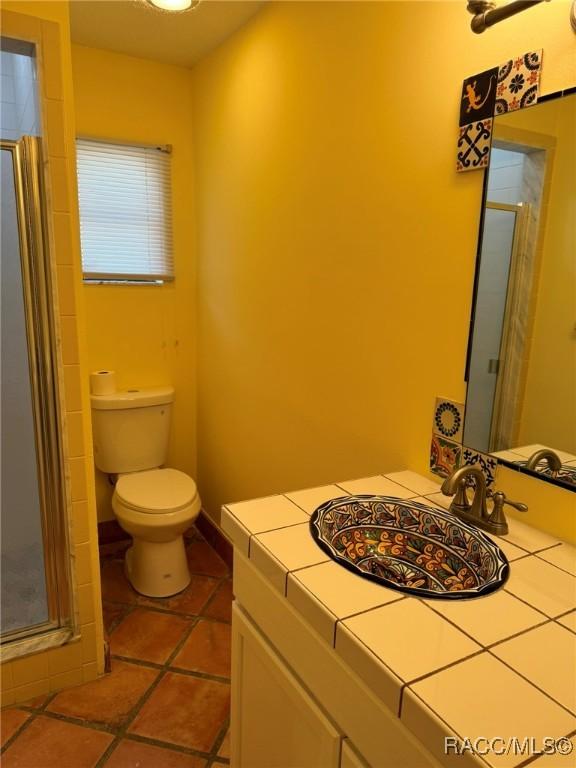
(131, 429)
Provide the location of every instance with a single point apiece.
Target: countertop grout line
(563, 570)
(496, 643)
(400, 597)
(546, 620)
(400, 498)
(533, 684)
(280, 528)
(311, 565)
(449, 729)
(557, 621)
(287, 571)
(522, 600)
(243, 525)
(452, 623)
(454, 663)
(372, 653)
(533, 758)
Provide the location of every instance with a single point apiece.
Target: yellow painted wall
(46, 24)
(146, 334)
(549, 408)
(336, 243)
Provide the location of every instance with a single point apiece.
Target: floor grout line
(120, 730)
(8, 743)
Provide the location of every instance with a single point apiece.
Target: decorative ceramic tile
(445, 456)
(488, 464)
(448, 419)
(518, 83)
(474, 142)
(478, 96)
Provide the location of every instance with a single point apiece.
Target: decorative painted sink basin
(409, 546)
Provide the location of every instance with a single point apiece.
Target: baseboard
(215, 537)
(109, 532)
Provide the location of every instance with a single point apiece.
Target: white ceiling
(134, 28)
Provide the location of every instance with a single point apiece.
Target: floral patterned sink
(409, 546)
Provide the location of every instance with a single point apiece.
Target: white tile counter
(501, 665)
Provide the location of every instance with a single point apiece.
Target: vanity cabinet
(279, 724)
(350, 758)
(295, 703)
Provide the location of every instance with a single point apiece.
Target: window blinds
(125, 212)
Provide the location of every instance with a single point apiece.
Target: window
(125, 212)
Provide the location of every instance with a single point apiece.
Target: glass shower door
(24, 595)
(35, 569)
(499, 242)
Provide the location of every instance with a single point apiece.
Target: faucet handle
(497, 518)
(500, 499)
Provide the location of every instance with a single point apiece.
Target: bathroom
(324, 253)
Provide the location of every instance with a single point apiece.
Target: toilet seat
(156, 491)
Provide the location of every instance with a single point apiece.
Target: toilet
(153, 503)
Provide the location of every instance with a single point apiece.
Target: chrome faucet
(477, 512)
(545, 454)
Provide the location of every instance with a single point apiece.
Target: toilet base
(157, 569)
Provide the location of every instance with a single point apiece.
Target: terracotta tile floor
(166, 702)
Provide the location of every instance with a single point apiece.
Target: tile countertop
(503, 665)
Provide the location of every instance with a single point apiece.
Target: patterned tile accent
(445, 456)
(488, 464)
(478, 96)
(474, 143)
(448, 419)
(518, 83)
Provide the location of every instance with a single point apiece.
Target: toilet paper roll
(103, 382)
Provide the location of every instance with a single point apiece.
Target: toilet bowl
(155, 507)
(152, 503)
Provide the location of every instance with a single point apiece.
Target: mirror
(521, 371)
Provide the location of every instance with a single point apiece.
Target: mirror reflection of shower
(521, 373)
(32, 497)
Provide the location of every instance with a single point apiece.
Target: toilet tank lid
(133, 398)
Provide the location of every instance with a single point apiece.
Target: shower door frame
(507, 396)
(41, 332)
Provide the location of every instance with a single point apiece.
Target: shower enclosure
(35, 578)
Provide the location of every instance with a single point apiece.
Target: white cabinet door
(275, 723)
